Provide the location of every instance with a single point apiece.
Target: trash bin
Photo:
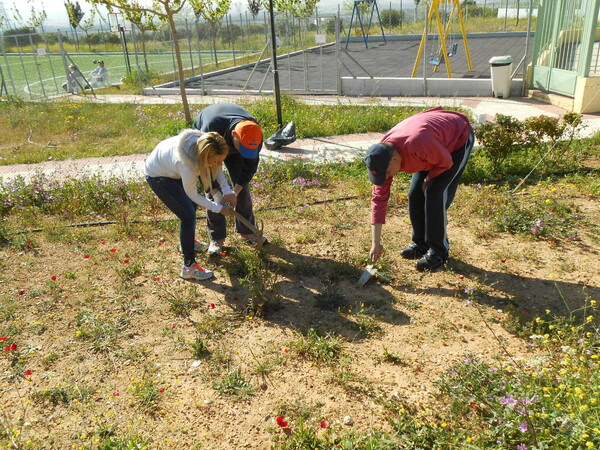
(501, 68)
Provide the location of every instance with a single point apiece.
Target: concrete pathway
(347, 147)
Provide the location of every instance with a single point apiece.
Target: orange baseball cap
(250, 138)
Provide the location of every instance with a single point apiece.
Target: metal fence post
(337, 52)
(189, 39)
(37, 66)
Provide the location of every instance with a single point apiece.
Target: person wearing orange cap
(244, 137)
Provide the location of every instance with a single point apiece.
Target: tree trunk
(184, 101)
(144, 52)
(214, 40)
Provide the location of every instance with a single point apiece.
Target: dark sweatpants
(427, 209)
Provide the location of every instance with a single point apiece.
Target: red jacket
(426, 142)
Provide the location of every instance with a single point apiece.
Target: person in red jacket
(434, 146)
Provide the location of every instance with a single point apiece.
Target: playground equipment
(441, 55)
(372, 4)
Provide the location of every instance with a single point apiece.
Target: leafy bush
(391, 18)
(507, 146)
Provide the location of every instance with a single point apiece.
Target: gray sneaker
(216, 247)
(196, 272)
(199, 246)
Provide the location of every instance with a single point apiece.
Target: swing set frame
(356, 10)
(443, 32)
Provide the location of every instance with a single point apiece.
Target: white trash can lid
(501, 60)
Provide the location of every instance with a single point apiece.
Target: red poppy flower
(223, 253)
(113, 250)
(462, 277)
(86, 256)
(187, 324)
(116, 394)
(28, 372)
(174, 325)
(282, 422)
(21, 291)
(53, 277)
(502, 260)
(3, 338)
(13, 346)
(160, 243)
(126, 261)
(419, 368)
(98, 399)
(7, 349)
(324, 424)
(473, 405)
(286, 350)
(161, 390)
(103, 242)
(28, 243)
(211, 306)
(157, 278)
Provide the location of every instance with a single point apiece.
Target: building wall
(587, 95)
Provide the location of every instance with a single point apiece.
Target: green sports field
(33, 76)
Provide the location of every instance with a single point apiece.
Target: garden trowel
(367, 274)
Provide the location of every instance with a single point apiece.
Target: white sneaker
(215, 247)
(196, 272)
(199, 246)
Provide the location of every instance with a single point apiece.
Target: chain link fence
(36, 64)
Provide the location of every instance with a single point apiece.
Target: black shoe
(413, 251)
(430, 262)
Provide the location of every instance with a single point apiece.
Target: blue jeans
(171, 193)
(427, 209)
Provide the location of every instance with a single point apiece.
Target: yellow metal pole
(443, 43)
(464, 36)
(422, 44)
(420, 52)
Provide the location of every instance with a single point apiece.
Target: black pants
(427, 209)
(217, 223)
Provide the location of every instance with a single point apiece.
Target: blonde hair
(209, 144)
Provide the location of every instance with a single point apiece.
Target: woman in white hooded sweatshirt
(172, 171)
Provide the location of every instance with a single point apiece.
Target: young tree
(254, 6)
(37, 16)
(75, 15)
(88, 24)
(144, 21)
(165, 10)
(35, 21)
(212, 11)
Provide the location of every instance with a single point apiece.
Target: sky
(57, 14)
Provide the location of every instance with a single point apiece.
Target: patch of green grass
(322, 349)
(234, 384)
(199, 348)
(102, 332)
(181, 301)
(129, 270)
(64, 394)
(145, 392)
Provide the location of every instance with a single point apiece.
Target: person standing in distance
(172, 171)
(244, 139)
(434, 146)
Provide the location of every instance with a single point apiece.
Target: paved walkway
(347, 147)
